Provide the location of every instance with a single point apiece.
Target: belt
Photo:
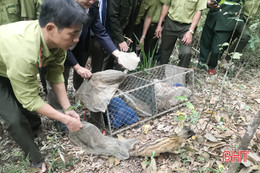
(181, 23)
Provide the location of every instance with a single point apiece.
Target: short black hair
(63, 13)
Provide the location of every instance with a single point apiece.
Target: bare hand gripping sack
(97, 92)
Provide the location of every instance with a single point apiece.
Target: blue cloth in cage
(120, 114)
(178, 85)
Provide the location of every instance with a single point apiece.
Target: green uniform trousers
(210, 45)
(171, 32)
(239, 46)
(19, 121)
(211, 41)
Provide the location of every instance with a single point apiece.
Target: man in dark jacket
(76, 57)
(96, 51)
(121, 18)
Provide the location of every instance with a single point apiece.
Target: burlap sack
(93, 142)
(97, 92)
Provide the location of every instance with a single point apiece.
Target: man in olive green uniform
(21, 45)
(181, 21)
(17, 10)
(217, 30)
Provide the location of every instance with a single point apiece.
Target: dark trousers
(138, 29)
(108, 62)
(149, 42)
(97, 54)
(171, 32)
(20, 122)
(77, 79)
(238, 46)
(211, 47)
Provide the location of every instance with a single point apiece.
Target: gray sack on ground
(93, 142)
(97, 92)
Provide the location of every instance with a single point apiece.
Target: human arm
(70, 119)
(21, 68)
(25, 86)
(147, 23)
(82, 71)
(100, 31)
(60, 92)
(72, 62)
(187, 38)
(55, 77)
(101, 34)
(164, 12)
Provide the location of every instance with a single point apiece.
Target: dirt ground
(238, 104)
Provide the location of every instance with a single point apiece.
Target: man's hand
(123, 46)
(141, 42)
(213, 4)
(83, 72)
(187, 38)
(69, 118)
(74, 123)
(72, 113)
(158, 31)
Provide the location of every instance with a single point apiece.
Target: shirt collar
(45, 50)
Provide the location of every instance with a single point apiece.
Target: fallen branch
(252, 127)
(216, 103)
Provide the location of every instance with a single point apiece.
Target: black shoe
(61, 127)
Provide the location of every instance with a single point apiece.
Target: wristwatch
(191, 31)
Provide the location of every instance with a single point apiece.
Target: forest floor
(238, 104)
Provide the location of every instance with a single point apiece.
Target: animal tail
(186, 132)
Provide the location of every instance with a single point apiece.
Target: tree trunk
(252, 127)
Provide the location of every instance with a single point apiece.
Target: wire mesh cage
(147, 94)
